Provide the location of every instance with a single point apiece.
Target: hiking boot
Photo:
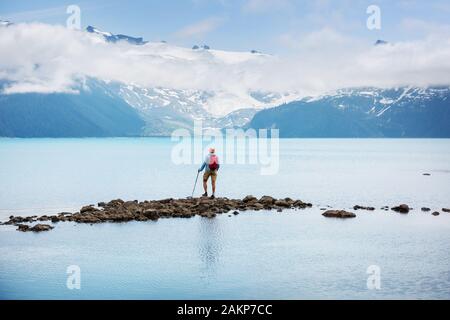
(213, 197)
(205, 194)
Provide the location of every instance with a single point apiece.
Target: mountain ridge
(409, 112)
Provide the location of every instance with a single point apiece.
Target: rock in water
(123, 211)
(425, 209)
(358, 207)
(36, 228)
(445, 210)
(41, 227)
(403, 208)
(88, 209)
(22, 227)
(435, 213)
(282, 203)
(338, 214)
(249, 199)
(267, 200)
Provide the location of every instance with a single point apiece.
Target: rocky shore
(123, 211)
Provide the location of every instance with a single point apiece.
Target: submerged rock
(358, 207)
(338, 214)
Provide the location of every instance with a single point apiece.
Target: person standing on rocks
(211, 166)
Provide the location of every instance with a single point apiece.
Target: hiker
(211, 166)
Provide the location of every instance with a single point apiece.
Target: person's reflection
(210, 244)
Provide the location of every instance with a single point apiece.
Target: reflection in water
(210, 237)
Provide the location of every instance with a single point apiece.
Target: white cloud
(200, 28)
(45, 58)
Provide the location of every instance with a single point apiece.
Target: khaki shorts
(212, 174)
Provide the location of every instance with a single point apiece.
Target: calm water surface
(298, 254)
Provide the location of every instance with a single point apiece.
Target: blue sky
(271, 26)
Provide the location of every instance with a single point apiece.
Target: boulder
(249, 198)
(282, 203)
(115, 203)
(89, 208)
(300, 204)
(403, 208)
(22, 227)
(18, 220)
(338, 214)
(36, 228)
(267, 200)
(41, 227)
(289, 200)
(151, 214)
(258, 206)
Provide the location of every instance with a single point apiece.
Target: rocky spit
(124, 211)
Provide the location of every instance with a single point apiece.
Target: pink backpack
(213, 162)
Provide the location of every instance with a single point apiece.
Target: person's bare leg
(205, 184)
(213, 183)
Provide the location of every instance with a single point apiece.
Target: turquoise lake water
(262, 255)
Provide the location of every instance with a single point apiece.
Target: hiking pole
(195, 184)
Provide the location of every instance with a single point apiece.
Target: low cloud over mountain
(44, 58)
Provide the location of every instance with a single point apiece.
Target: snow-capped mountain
(205, 84)
(209, 87)
(171, 108)
(5, 23)
(363, 112)
(196, 104)
(115, 37)
(380, 42)
(164, 108)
